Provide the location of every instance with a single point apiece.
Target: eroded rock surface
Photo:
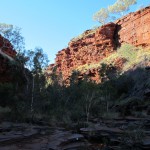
(91, 48)
(32, 137)
(7, 53)
(135, 28)
(111, 134)
(94, 45)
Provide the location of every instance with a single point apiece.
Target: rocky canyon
(94, 45)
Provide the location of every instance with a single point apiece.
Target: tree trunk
(32, 98)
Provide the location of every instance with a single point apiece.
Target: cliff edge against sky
(94, 45)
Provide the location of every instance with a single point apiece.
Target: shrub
(128, 51)
(110, 115)
(132, 138)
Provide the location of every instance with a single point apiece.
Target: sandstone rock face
(91, 48)
(94, 45)
(135, 28)
(6, 50)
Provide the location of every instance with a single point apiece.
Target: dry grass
(84, 35)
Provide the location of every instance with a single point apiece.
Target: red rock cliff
(93, 45)
(135, 28)
(5, 48)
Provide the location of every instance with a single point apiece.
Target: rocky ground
(99, 135)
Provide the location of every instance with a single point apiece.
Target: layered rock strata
(135, 28)
(94, 45)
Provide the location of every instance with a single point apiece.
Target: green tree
(101, 16)
(37, 62)
(27, 69)
(13, 34)
(120, 6)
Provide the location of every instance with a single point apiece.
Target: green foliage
(129, 52)
(4, 110)
(106, 14)
(101, 16)
(108, 72)
(78, 102)
(84, 34)
(131, 55)
(37, 60)
(110, 115)
(13, 34)
(121, 5)
(132, 138)
(30, 97)
(27, 66)
(6, 94)
(74, 77)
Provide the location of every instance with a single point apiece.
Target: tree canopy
(119, 7)
(101, 16)
(13, 34)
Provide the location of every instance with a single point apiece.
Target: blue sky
(51, 24)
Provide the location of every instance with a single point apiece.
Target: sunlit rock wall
(94, 45)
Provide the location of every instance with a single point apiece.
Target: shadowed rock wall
(5, 69)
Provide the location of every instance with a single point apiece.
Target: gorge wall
(135, 28)
(94, 45)
(6, 52)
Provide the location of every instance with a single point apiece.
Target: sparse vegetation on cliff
(84, 35)
(131, 55)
